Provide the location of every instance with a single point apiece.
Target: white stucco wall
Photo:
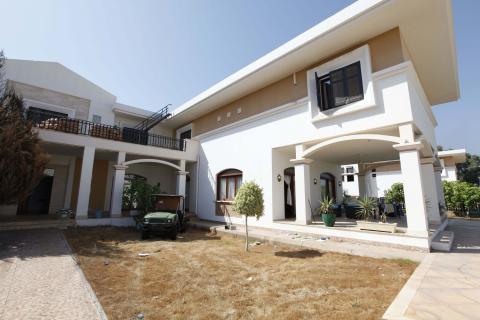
(262, 146)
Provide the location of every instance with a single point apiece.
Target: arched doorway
(327, 186)
(289, 192)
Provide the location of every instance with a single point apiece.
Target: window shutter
(319, 90)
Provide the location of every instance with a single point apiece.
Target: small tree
(22, 159)
(249, 202)
(395, 194)
(138, 195)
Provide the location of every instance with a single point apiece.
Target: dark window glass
(350, 178)
(339, 87)
(186, 135)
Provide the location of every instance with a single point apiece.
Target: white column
(85, 182)
(302, 187)
(413, 188)
(69, 187)
(117, 189)
(430, 188)
(181, 179)
(439, 184)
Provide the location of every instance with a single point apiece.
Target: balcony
(44, 119)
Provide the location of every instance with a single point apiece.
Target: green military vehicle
(167, 219)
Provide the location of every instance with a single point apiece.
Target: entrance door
(327, 186)
(38, 202)
(289, 192)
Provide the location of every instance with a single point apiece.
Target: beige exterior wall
(80, 105)
(98, 184)
(389, 167)
(386, 50)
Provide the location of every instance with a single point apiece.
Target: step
(443, 241)
(45, 224)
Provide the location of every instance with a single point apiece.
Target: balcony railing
(54, 121)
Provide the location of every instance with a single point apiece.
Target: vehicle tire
(145, 235)
(173, 236)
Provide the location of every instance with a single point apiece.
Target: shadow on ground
(301, 254)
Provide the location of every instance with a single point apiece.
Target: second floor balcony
(49, 120)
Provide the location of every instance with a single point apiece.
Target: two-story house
(358, 87)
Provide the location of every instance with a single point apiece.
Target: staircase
(443, 241)
(153, 120)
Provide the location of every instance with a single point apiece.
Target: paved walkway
(314, 241)
(40, 280)
(445, 285)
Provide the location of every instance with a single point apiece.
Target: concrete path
(40, 280)
(314, 241)
(445, 285)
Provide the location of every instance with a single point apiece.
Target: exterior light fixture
(315, 180)
(279, 178)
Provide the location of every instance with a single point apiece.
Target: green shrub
(461, 196)
(367, 207)
(395, 194)
(249, 203)
(138, 195)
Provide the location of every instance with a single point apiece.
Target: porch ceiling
(358, 151)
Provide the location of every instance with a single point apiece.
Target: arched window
(228, 183)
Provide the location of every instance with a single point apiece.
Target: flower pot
(328, 219)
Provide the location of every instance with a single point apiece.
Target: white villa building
(358, 87)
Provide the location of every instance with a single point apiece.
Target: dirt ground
(207, 277)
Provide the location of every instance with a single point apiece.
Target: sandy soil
(207, 277)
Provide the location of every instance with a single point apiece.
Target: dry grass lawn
(207, 277)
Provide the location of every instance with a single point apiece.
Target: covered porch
(312, 171)
(85, 186)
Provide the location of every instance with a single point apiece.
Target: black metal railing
(54, 121)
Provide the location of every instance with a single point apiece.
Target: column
(430, 188)
(439, 185)
(69, 187)
(85, 182)
(302, 187)
(117, 188)
(414, 190)
(181, 179)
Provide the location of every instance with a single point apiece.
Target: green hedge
(461, 196)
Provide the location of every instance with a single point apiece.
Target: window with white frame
(341, 85)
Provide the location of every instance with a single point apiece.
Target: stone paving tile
(449, 286)
(40, 280)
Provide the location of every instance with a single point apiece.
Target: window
(96, 118)
(350, 170)
(339, 87)
(374, 173)
(186, 134)
(350, 178)
(228, 183)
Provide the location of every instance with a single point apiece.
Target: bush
(461, 196)
(249, 202)
(395, 194)
(138, 195)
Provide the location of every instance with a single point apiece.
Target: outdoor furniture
(351, 211)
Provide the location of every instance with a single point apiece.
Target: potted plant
(328, 216)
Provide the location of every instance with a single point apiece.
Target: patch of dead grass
(208, 277)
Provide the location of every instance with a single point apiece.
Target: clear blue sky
(150, 53)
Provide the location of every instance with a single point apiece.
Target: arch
(153, 161)
(378, 137)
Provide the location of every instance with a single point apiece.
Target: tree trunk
(246, 233)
